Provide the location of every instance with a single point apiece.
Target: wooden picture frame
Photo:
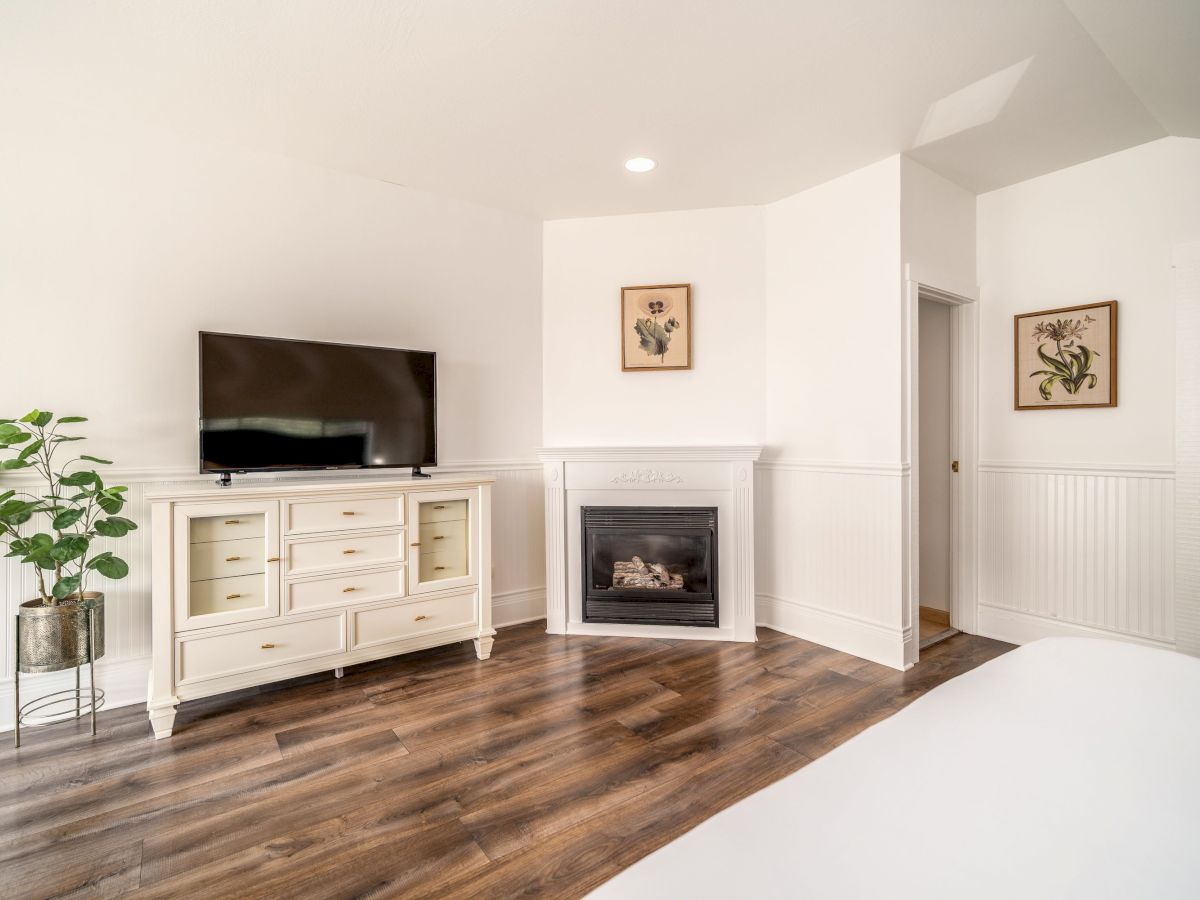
(1066, 358)
(656, 328)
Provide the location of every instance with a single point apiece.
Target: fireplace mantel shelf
(715, 476)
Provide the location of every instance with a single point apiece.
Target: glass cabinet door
(441, 556)
(226, 564)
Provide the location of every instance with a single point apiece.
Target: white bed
(1065, 768)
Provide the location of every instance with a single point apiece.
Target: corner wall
(1077, 505)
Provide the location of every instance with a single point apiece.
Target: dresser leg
(162, 721)
(483, 647)
(338, 673)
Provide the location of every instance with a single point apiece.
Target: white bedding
(1065, 768)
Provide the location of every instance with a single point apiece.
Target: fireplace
(650, 565)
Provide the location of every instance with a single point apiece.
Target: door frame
(964, 436)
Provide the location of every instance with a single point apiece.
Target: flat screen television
(270, 404)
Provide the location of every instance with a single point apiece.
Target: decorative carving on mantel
(646, 476)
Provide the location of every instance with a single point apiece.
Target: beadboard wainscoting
(517, 553)
(1076, 549)
(829, 554)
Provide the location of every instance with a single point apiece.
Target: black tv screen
(269, 403)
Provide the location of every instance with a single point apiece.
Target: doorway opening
(937, 466)
(939, 433)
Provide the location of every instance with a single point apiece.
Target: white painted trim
(836, 467)
(123, 681)
(517, 607)
(1120, 470)
(851, 634)
(1015, 627)
(607, 454)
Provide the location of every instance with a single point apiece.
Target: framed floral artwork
(1066, 358)
(656, 327)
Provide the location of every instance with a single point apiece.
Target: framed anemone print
(1066, 358)
(656, 327)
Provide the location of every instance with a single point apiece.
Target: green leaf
(6, 495)
(115, 527)
(78, 479)
(65, 587)
(15, 512)
(1056, 365)
(96, 459)
(58, 439)
(69, 547)
(66, 420)
(15, 464)
(11, 434)
(65, 520)
(19, 438)
(38, 418)
(30, 449)
(1092, 381)
(110, 503)
(111, 567)
(1047, 384)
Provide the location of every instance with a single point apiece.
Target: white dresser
(266, 581)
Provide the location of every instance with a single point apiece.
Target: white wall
(1076, 517)
(587, 399)
(119, 241)
(937, 230)
(935, 443)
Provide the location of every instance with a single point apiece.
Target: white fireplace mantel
(651, 476)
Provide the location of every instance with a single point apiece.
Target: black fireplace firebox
(650, 565)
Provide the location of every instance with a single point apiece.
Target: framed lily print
(1066, 358)
(656, 327)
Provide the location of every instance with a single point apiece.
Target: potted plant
(53, 531)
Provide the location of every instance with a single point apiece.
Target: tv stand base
(417, 473)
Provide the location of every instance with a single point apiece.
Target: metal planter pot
(51, 638)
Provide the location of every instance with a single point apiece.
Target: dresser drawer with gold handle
(227, 527)
(442, 511)
(214, 655)
(222, 559)
(390, 622)
(337, 590)
(443, 537)
(440, 565)
(305, 555)
(221, 595)
(308, 516)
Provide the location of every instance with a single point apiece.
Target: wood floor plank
(546, 769)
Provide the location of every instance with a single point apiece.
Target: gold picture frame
(656, 328)
(1066, 358)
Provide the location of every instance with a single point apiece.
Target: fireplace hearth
(650, 565)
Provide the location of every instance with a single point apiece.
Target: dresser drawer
(347, 587)
(439, 566)
(444, 537)
(355, 551)
(411, 618)
(307, 516)
(222, 595)
(213, 656)
(221, 559)
(442, 510)
(227, 528)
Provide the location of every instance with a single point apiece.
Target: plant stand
(57, 706)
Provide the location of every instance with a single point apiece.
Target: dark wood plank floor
(546, 769)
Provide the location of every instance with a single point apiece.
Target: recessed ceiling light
(640, 164)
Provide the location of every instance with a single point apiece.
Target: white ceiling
(533, 105)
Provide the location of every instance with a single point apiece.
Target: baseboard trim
(123, 681)
(836, 467)
(850, 634)
(1014, 627)
(518, 607)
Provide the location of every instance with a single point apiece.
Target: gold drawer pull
(233, 521)
(232, 558)
(273, 559)
(439, 537)
(420, 618)
(233, 596)
(268, 646)
(347, 513)
(439, 568)
(439, 506)
(415, 544)
(348, 590)
(348, 552)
